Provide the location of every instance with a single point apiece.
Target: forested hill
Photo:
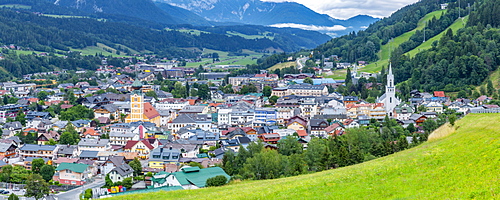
(48, 34)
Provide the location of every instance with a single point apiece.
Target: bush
(216, 181)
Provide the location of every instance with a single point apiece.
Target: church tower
(390, 94)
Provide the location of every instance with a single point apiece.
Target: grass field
(249, 36)
(282, 65)
(225, 59)
(458, 24)
(462, 164)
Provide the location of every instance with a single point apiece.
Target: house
(94, 144)
(7, 150)
(317, 126)
(43, 138)
(89, 155)
(70, 151)
(161, 156)
(42, 115)
(233, 132)
(183, 120)
(297, 123)
(27, 163)
(111, 163)
(142, 147)
(187, 177)
(271, 138)
(39, 151)
(65, 160)
(13, 126)
(434, 107)
(403, 112)
(121, 172)
(73, 173)
(334, 129)
(121, 138)
(418, 118)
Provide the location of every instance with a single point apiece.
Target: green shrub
(216, 181)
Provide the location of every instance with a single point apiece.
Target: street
(73, 194)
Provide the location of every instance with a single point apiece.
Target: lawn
(461, 164)
(225, 59)
(249, 36)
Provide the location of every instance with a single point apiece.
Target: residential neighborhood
(174, 130)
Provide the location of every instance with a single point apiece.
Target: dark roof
(67, 149)
(89, 154)
(123, 170)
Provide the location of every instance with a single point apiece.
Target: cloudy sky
(343, 9)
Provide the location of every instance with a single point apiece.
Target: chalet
(111, 163)
(70, 151)
(234, 132)
(297, 123)
(142, 147)
(121, 172)
(43, 138)
(271, 138)
(7, 150)
(94, 144)
(317, 127)
(418, 119)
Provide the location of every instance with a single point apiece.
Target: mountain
(143, 9)
(284, 14)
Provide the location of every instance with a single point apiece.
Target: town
(158, 126)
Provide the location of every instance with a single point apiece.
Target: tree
(348, 76)
(267, 91)
(136, 165)
(37, 164)
(152, 94)
(88, 194)
(309, 80)
(51, 142)
(21, 117)
(36, 187)
(429, 126)
(452, 118)
(13, 196)
(411, 128)
(228, 163)
(273, 99)
(204, 92)
(289, 146)
(47, 171)
(215, 181)
(67, 138)
(6, 172)
(42, 95)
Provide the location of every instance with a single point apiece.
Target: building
(39, 151)
(94, 144)
(121, 172)
(161, 156)
(142, 111)
(73, 173)
(389, 98)
(301, 89)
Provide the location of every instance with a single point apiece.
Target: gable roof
(75, 167)
(146, 143)
(150, 111)
(123, 170)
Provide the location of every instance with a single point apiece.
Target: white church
(389, 98)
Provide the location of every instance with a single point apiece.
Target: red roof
(301, 133)
(331, 128)
(150, 111)
(261, 75)
(65, 106)
(439, 94)
(33, 100)
(91, 131)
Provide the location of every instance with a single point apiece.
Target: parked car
(5, 192)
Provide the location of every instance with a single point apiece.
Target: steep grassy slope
(462, 165)
(385, 50)
(458, 24)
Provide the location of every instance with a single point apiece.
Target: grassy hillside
(458, 24)
(462, 165)
(387, 48)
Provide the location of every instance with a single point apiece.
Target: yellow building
(140, 111)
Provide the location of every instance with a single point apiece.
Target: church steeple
(390, 93)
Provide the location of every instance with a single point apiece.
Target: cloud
(344, 9)
(310, 27)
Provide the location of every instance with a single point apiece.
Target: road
(300, 61)
(73, 194)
